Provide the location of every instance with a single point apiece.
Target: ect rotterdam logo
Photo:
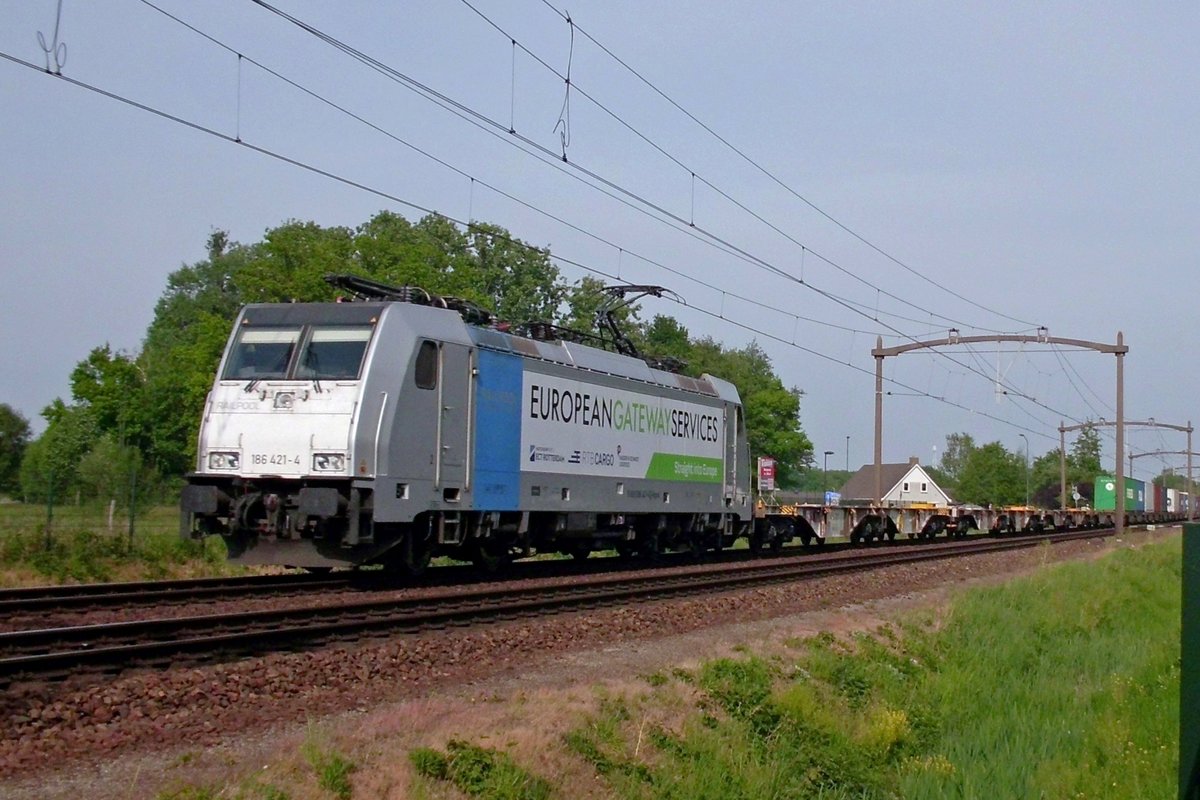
(537, 453)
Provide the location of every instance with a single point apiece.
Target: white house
(902, 485)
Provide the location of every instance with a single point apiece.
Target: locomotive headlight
(222, 460)
(329, 462)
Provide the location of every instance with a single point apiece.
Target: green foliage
(1067, 681)
(14, 437)
(992, 476)
(479, 772)
(50, 466)
(112, 471)
(79, 551)
(955, 456)
(333, 770)
(1085, 455)
(110, 385)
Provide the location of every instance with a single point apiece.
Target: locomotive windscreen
(334, 353)
(262, 353)
(327, 352)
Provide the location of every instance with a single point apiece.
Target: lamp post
(825, 475)
(1026, 465)
(847, 454)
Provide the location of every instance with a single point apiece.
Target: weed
(332, 769)
(480, 772)
(430, 763)
(656, 679)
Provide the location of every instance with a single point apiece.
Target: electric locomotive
(403, 426)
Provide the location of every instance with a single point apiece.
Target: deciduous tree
(14, 437)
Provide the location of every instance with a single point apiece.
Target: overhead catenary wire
(426, 210)
(480, 117)
(197, 127)
(771, 175)
(476, 180)
(846, 303)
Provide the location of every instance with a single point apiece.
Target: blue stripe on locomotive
(497, 476)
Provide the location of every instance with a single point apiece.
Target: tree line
(132, 418)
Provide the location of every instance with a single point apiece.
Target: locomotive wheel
(651, 546)
(776, 544)
(417, 555)
(581, 552)
(489, 556)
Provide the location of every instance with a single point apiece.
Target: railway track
(57, 653)
(135, 593)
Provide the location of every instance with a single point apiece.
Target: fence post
(132, 500)
(1189, 677)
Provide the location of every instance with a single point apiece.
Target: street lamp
(1026, 465)
(825, 475)
(847, 454)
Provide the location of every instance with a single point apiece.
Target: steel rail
(103, 595)
(58, 653)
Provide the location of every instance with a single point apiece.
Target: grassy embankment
(1061, 685)
(81, 548)
(1064, 684)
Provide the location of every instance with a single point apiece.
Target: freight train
(403, 426)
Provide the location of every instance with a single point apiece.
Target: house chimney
(913, 461)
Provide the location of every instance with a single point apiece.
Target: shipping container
(1106, 494)
(1135, 495)
(1105, 497)
(1159, 494)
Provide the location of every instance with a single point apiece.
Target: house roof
(861, 485)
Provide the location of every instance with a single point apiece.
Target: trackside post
(1189, 678)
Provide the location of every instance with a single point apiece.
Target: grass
(479, 772)
(1064, 684)
(80, 547)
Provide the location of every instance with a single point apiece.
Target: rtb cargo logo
(591, 458)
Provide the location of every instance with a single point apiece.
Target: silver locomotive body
(340, 434)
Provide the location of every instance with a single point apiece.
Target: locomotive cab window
(427, 365)
(333, 353)
(262, 353)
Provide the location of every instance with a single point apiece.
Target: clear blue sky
(1038, 159)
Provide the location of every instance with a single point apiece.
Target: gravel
(85, 721)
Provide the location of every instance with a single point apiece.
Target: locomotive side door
(454, 434)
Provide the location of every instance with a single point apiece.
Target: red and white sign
(766, 474)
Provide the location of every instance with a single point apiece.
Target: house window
(924, 487)
(904, 488)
